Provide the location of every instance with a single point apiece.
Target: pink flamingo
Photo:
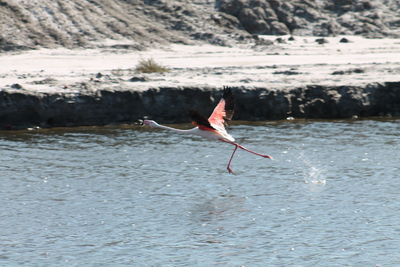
(212, 128)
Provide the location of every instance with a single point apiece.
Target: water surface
(131, 196)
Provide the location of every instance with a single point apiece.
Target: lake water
(131, 196)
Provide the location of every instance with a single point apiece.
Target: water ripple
(136, 197)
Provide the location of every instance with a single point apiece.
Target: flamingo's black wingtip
(227, 92)
(229, 99)
(227, 88)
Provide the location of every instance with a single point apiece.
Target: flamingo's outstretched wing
(223, 111)
(200, 121)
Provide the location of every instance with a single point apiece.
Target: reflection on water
(132, 196)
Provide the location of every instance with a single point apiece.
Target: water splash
(312, 174)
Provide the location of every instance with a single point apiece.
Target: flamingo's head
(150, 123)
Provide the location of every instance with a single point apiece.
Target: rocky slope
(29, 24)
(374, 18)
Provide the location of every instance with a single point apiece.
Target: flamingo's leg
(230, 160)
(245, 149)
(258, 154)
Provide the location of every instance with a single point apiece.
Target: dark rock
(138, 79)
(338, 72)
(16, 86)
(321, 41)
(357, 70)
(351, 71)
(344, 40)
(287, 72)
(280, 40)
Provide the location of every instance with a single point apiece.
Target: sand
(283, 65)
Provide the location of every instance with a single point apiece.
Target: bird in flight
(212, 128)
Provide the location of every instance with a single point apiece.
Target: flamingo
(212, 128)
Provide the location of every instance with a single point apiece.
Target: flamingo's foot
(268, 157)
(230, 170)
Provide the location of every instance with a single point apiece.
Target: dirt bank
(21, 110)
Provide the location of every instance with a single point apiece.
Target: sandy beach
(283, 65)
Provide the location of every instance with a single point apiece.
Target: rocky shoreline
(22, 109)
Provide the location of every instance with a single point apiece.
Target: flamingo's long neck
(190, 131)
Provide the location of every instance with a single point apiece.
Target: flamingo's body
(212, 128)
